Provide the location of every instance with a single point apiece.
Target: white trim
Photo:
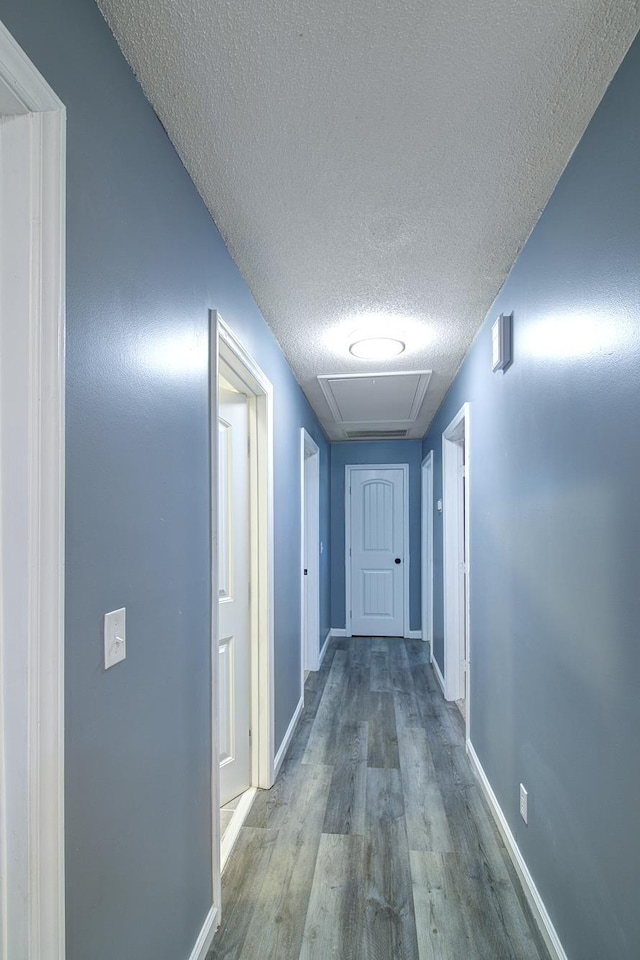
(536, 902)
(339, 632)
(349, 468)
(232, 832)
(252, 381)
(248, 377)
(415, 635)
(439, 677)
(325, 647)
(456, 612)
(291, 729)
(309, 553)
(205, 937)
(37, 334)
(426, 545)
(23, 79)
(216, 865)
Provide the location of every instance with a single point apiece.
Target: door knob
(397, 560)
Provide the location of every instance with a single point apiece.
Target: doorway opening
(32, 444)
(242, 594)
(310, 555)
(427, 552)
(455, 482)
(377, 550)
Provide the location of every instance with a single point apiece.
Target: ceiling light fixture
(375, 348)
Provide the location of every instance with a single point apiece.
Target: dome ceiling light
(375, 347)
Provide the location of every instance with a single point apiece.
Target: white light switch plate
(115, 637)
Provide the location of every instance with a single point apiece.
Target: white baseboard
(415, 635)
(325, 646)
(291, 729)
(538, 908)
(201, 948)
(339, 632)
(439, 677)
(232, 831)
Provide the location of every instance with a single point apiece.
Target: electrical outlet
(524, 804)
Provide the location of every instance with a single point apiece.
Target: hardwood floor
(375, 842)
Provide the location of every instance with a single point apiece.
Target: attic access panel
(376, 398)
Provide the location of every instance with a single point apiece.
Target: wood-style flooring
(375, 842)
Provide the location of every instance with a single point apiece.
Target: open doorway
(455, 482)
(310, 554)
(242, 571)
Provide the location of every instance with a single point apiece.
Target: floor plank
(440, 917)
(383, 736)
(324, 741)
(427, 824)
(380, 681)
(347, 794)
(333, 929)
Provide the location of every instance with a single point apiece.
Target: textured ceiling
(374, 159)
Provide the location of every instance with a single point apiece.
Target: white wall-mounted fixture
(115, 637)
(378, 347)
(439, 506)
(501, 347)
(524, 803)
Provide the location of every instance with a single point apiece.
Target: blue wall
(555, 529)
(378, 451)
(144, 265)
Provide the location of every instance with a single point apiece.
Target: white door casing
(427, 551)
(456, 478)
(234, 681)
(229, 357)
(32, 204)
(310, 553)
(377, 550)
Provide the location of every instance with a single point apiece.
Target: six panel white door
(233, 557)
(378, 566)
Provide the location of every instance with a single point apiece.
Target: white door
(378, 561)
(233, 538)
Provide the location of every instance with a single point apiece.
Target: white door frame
(309, 554)
(455, 536)
(32, 311)
(427, 551)
(349, 469)
(228, 355)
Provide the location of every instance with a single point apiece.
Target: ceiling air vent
(375, 434)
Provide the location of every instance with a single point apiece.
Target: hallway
(375, 842)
